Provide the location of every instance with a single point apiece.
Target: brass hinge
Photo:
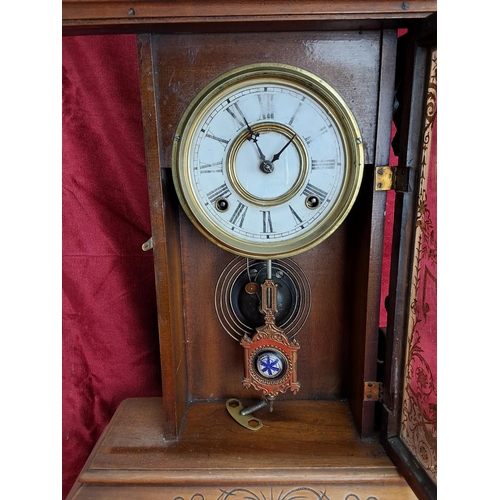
(374, 391)
(391, 178)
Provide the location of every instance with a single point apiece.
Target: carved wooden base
(306, 449)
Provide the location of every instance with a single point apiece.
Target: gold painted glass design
(419, 412)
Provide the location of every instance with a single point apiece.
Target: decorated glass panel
(419, 412)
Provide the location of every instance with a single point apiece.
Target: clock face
(267, 161)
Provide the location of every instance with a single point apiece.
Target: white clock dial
(267, 163)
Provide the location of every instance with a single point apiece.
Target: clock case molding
(340, 342)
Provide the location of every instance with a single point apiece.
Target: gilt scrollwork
(419, 412)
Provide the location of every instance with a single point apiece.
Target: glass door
(409, 415)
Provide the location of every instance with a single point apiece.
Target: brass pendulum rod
(269, 291)
(269, 269)
(269, 296)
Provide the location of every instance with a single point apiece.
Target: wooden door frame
(415, 48)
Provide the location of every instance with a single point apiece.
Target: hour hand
(253, 136)
(277, 155)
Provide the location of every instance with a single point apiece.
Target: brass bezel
(302, 81)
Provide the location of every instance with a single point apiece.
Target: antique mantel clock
(267, 141)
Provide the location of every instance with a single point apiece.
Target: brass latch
(148, 245)
(395, 178)
(373, 391)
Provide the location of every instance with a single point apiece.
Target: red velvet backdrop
(110, 343)
(110, 340)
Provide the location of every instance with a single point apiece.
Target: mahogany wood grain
(139, 16)
(164, 224)
(183, 65)
(390, 492)
(216, 360)
(347, 60)
(412, 103)
(304, 446)
(370, 214)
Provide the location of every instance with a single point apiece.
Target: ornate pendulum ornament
(270, 364)
(257, 302)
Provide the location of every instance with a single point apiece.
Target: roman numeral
(238, 216)
(311, 138)
(317, 164)
(235, 111)
(267, 224)
(209, 168)
(224, 142)
(298, 220)
(219, 192)
(311, 190)
(266, 106)
(295, 113)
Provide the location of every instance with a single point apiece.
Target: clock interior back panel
(349, 61)
(216, 359)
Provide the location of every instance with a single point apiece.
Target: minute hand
(277, 155)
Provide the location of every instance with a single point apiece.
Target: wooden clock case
(323, 441)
